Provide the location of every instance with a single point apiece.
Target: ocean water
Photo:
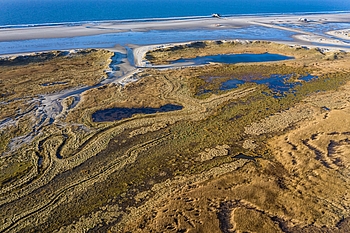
(28, 12)
(142, 38)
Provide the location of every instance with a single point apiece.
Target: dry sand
(342, 34)
(321, 40)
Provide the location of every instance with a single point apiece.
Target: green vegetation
(89, 167)
(14, 168)
(24, 78)
(191, 50)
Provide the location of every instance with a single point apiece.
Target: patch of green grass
(178, 155)
(13, 170)
(205, 48)
(210, 79)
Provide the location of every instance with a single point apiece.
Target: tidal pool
(278, 84)
(114, 114)
(234, 58)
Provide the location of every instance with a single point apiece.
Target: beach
(271, 24)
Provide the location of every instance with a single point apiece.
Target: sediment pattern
(239, 160)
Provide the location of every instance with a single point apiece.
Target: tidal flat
(227, 160)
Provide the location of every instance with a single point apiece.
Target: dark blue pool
(234, 58)
(278, 84)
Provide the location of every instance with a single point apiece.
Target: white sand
(9, 34)
(321, 40)
(342, 34)
(302, 38)
(113, 27)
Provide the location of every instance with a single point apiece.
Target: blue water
(23, 12)
(231, 84)
(279, 84)
(28, 13)
(316, 27)
(143, 38)
(320, 28)
(308, 77)
(234, 58)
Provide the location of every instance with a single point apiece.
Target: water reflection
(278, 84)
(143, 38)
(234, 58)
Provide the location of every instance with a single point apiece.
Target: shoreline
(189, 23)
(342, 34)
(78, 23)
(27, 40)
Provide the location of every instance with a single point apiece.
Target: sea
(41, 12)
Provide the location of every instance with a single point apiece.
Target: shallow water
(321, 29)
(308, 77)
(144, 38)
(317, 27)
(234, 58)
(278, 84)
(115, 114)
(231, 84)
(116, 61)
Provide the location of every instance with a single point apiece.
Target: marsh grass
(166, 55)
(14, 168)
(174, 150)
(22, 78)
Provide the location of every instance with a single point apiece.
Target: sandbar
(342, 34)
(93, 28)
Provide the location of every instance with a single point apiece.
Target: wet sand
(342, 34)
(113, 35)
(61, 31)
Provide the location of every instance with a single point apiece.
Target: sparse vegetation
(145, 173)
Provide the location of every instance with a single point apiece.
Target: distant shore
(40, 32)
(277, 22)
